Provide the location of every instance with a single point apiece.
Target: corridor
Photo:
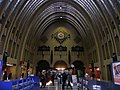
(81, 37)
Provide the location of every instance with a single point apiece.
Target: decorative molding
(60, 36)
(60, 48)
(44, 48)
(77, 49)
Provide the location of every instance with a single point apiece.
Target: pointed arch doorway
(79, 67)
(42, 65)
(60, 65)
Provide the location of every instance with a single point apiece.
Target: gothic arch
(60, 64)
(78, 64)
(42, 65)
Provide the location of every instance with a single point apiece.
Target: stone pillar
(18, 69)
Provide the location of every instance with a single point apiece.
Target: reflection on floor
(55, 87)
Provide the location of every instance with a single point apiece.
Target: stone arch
(60, 64)
(42, 65)
(78, 64)
(79, 67)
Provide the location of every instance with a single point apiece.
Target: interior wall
(69, 42)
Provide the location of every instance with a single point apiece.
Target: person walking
(64, 78)
(9, 76)
(59, 79)
(52, 78)
(5, 76)
(43, 79)
(69, 78)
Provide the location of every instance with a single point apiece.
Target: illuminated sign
(96, 87)
(116, 72)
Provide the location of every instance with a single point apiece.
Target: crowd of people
(7, 75)
(64, 78)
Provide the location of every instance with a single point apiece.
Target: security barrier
(20, 84)
(85, 84)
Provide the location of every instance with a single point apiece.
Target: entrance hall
(45, 35)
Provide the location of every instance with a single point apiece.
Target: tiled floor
(55, 87)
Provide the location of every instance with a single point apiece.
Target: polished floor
(55, 87)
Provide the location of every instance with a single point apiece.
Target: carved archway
(60, 64)
(42, 65)
(79, 65)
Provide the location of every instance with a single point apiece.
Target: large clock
(61, 35)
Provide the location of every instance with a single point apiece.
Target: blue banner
(1, 64)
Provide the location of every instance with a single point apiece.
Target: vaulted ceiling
(28, 19)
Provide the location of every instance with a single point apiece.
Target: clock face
(60, 35)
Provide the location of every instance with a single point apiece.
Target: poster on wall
(116, 72)
(1, 64)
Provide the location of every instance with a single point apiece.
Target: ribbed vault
(31, 17)
(26, 20)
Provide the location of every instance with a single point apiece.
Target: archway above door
(78, 64)
(60, 64)
(79, 68)
(43, 65)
